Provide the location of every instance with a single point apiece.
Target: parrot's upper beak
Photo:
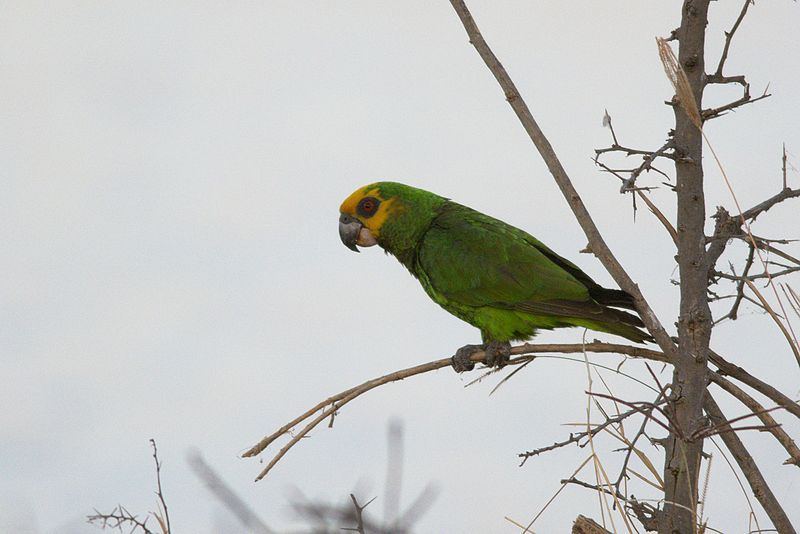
(353, 233)
(349, 228)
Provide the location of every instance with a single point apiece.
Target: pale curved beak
(349, 229)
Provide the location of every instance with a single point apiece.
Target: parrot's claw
(461, 361)
(497, 353)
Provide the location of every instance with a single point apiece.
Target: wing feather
(476, 260)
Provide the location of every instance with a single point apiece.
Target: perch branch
(524, 353)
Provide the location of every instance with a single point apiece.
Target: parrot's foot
(461, 360)
(497, 355)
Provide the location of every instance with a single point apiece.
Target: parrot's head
(388, 214)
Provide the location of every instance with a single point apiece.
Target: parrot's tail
(627, 325)
(611, 297)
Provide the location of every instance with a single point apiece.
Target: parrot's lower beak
(353, 233)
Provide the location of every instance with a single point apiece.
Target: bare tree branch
(758, 484)
(576, 437)
(163, 519)
(725, 368)
(769, 422)
(728, 39)
(118, 518)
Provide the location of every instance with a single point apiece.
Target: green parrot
(490, 274)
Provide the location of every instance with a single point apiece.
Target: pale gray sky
(171, 174)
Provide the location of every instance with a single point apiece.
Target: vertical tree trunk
(682, 463)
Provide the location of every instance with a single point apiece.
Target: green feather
(495, 276)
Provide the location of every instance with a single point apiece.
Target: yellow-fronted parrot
(492, 275)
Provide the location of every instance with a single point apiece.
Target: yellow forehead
(350, 203)
(375, 222)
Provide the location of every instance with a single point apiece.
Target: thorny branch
(120, 517)
(576, 437)
(667, 150)
(358, 513)
(719, 78)
(728, 38)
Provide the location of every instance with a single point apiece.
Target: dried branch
(163, 518)
(727, 227)
(726, 368)
(758, 484)
(118, 518)
(719, 78)
(753, 277)
(632, 443)
(576, 437)
(733, 312)
(763, 414)
(333, 404)
(648, 157)
(785, 194)
(329, 406)
(645, 408)
(728, 38)
(524, 353)
(660, 216)
(712, 113)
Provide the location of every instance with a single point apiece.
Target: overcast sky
(170, 177)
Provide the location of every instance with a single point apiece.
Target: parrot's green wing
(476, 260)
(472, 264)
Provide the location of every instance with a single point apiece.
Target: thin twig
(165, 519)
(729, 37)
(631, 445)
(645, 408)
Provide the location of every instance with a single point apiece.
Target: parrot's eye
(368, 206)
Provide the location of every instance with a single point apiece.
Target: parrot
(492, 275)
